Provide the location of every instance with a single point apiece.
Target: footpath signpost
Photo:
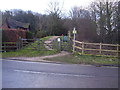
(74, 32)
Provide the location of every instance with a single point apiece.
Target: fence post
(100, 48)
(17, 45)
(38, 46)
(74, 43)
(73, 46)
(59, 45)
(117, 50)
(82, 47)
(21, 43)
(69, 35)
(4, 46)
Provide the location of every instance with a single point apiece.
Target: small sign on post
(74, 32)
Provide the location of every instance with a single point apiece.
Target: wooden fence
(10, 46)
(39, 45)
(101, 48)
(82, 47)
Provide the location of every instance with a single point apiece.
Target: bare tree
(55, 8)
(55, 24)
(81, 19)
(79, 12)
(104, 13)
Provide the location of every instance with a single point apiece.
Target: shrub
(12, 35)
(41, 34)
(29, 35)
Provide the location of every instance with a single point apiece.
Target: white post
(74, 44)
(59, 44)
(74, 32)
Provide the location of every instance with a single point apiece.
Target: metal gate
(62, 45)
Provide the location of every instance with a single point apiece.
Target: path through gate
(64, 44)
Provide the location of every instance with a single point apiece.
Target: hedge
(12, 35)
(29, 35)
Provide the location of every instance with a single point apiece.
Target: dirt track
(63, 53)
(49, 41)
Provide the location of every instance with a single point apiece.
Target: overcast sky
(40, 5)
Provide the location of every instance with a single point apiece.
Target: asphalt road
(24, 74)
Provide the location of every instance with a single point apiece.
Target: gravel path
(49, 41)
(63, 53)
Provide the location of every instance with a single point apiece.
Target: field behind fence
(97, 48)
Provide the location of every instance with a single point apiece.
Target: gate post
(74, 32)
(38, 47)
(73, 45)
(59, 44)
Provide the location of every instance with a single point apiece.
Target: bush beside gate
(12, 35)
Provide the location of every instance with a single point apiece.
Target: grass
(85, 59)
(31, 50)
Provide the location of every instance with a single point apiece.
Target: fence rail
(8, 46)
(100, 48)
(11, 46)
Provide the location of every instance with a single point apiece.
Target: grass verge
(30, 50)
(85, 59)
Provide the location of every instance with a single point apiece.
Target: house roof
(16, 24)
(11, 23)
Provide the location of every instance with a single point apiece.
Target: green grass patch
(85, 59)
(45, 38)
(31, 50)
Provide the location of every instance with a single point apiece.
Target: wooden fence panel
(9, 46)
(101, 50)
